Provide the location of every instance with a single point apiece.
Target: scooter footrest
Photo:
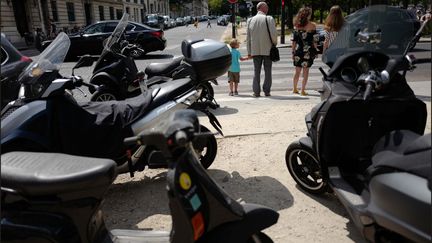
(139, 236)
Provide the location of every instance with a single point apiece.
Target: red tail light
(158, 34)
(26, 59)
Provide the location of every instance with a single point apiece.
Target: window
(139, 28)
(54, 10)
(135, 1)
(142, 1)
(127, 9)
(119, 13)
(111, 9)
(101, 13)
(130, 27)
(70, 11)
(142, 14)
(109, 27)
(96, 28)
(151, 7)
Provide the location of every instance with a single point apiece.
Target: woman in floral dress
(304, 47)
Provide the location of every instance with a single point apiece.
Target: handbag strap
(268, 30)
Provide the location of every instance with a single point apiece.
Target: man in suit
(258, 47)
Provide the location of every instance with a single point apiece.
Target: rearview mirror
(368, 37)
(84, 61)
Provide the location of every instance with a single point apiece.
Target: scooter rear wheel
(206, 148)
(305, 168)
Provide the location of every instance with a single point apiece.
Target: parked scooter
(364, 140)
(45, 115)
(57, 197)
(118, 76)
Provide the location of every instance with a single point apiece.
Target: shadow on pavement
(220, 111)
(128, 203)
(264, 190)
(331, 202)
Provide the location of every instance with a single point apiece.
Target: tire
(207, 92)
(305, 168)
(260, 238)
(104, 94)
(206, 148)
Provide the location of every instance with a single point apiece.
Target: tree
(215, 5)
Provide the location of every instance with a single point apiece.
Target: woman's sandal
(303, 93)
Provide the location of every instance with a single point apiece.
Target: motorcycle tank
(209, 58)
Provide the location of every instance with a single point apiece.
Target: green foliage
(215, 5)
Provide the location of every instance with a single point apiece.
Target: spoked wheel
(260, 238)
(104, 94)
(137, 52)
(305, 168)
(206, 148)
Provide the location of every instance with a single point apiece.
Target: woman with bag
(333, 24)
(304, 47)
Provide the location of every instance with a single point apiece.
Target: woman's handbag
(274, 51)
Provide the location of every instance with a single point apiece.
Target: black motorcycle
(118, 77)
(45, 115)
(364, 140)
(48, 197)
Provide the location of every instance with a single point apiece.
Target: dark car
(12, 64)
(321, 37)
(89, 40)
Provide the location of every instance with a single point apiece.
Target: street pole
(283, 23)
(233, 20)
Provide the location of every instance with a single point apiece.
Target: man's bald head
(262, 6)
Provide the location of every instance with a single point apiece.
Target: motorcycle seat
(163, 69)
(45, 174)
(162, 93)
(403, 151)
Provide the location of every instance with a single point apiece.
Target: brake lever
(78, 88)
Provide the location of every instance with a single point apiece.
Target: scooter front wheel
(104, 94)
(206, 148)
(305, 168)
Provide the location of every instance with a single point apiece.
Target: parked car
(89, 40)
(167, 23)
(154, 20)
(173, 22)
(12, 64)
(179, 21)
(321, 37)
(187, 20)
(222, 21)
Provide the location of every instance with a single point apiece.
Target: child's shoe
(231, 94)
(235, 93)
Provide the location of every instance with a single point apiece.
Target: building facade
(19, 18)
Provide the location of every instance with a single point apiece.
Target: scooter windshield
(112, 43)
(378, 28)
(37, 76)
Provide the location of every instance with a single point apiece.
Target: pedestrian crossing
(282, 71)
